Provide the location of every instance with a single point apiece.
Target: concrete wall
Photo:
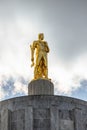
(43, 113)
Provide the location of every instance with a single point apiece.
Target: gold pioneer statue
(39, 50)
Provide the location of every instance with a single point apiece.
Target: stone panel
(54, 118)
(41, 123)
(79, 119)
(29, 118)
(0, 121)
(85, 120)
(40, 113)
(18, 120)
(5, 119)
(43, 113)
(85, 126)
(66, 114)
(66, 125)
(41, 119)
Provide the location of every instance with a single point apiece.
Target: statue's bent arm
(33, 46)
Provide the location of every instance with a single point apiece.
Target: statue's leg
(40, 65)
(38, 69)
(35, 70)
(38, 59)
(45, 67)
(45, 71)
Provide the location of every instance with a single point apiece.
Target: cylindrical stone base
(41, 87)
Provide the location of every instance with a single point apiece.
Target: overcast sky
(64, 24)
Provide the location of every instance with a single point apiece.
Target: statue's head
(40, 36)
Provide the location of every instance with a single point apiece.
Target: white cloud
(64, 33)
(64, 82)
(2, 93)
(2, 82)
(15, 60)
(12, 86)
(67, 76)
(19, 87)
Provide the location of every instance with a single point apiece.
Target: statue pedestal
(41, 87)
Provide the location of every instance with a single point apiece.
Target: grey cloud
(63, 21)
(81, 91)
(8, 87)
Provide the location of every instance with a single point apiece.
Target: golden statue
(39, 50)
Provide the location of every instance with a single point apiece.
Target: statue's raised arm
(39, 50)
(32, 55)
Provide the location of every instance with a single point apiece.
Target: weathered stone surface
(41, 118)
(79, 119)
(5, 123)
(43, 113)
(54, 118)
(41, 87)
(18, 120)
(66, 125)
(29, 118)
